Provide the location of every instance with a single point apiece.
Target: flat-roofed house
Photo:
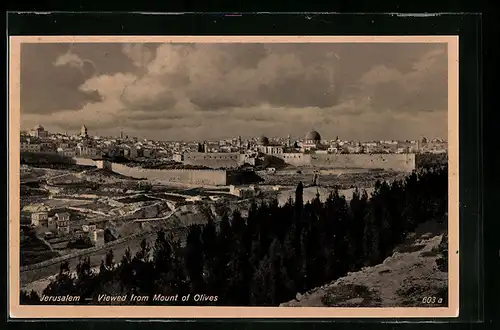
(39, 219)
(62, 222)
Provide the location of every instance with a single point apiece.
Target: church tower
(83, 131)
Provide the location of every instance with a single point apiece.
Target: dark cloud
(45, 88)
(215, 77)
(198, 87)
(51, 74)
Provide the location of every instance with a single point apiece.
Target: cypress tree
(209, 241)
(194, 259)
(109, 260)
(299, 204)
(162, 263)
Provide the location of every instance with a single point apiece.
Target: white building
(265, 147)
(66, 152)
(39, 219)
(27, 146)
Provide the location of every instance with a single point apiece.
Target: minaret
(288, 141)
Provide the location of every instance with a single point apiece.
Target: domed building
(263, 141)
(39, 132)
(313, 136)
(264, 146)
(311, 141)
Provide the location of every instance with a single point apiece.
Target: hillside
(402, 280)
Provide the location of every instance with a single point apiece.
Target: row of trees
(271, 255)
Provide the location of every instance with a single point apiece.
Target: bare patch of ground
(351, 295)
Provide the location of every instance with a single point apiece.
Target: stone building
(29, 146)
(39, 219)
(84, 132)
(62, 222)
(312, 141)
(266, 147)
(39, 132)
(97, 237)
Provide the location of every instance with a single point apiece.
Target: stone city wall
(198, 177)
(396, 162)
(207, 177)
(295, 159)
(85, 161)
(214, 160)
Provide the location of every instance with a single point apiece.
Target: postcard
(233, 177)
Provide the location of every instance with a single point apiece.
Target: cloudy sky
(211, 91)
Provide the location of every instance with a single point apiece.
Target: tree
(162, 253)
(29, 298)
(237, 286)
(271, 283)
(63, 284)
(162, 263)
(102, 268)
(109, 260)
(238, 228)
(299, 202)
(276, 252)
(143, 253)
(126, 272)
(209, 241)
(84, 282)
(262, 292)
(143, 270)
(371, 238)
(194, 259)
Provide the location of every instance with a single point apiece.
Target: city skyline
(124, 135)
(217, 91)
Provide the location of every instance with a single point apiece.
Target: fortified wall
(214, 160)
(186, 176)
(396, 162)
(295, 159)
(85, 161)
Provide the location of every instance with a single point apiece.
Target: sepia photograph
(233, 176)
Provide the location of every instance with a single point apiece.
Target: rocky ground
(404, 279)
